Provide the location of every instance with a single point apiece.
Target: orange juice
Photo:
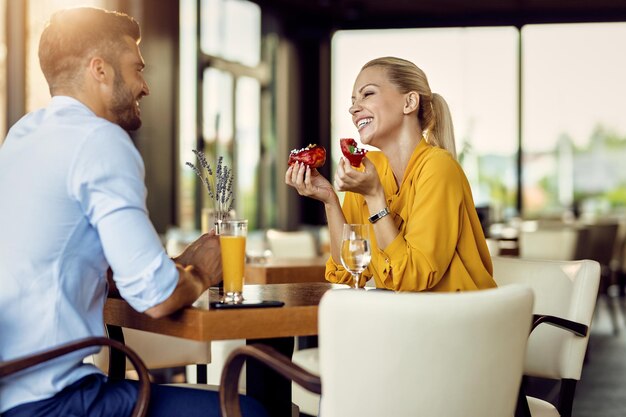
(233, 260)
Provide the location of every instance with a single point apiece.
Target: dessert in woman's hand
(313, 156)
(352, 152)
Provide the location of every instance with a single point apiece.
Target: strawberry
(313, 156)
(352, 152)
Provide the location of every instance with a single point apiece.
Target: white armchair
(565, 296)
(409, 354)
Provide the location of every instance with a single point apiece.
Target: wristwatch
(377, 216)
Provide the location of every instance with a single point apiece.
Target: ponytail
(441, 131)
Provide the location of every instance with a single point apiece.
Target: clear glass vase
(217, 225)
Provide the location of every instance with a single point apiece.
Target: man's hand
(199, 267)
(205, 256)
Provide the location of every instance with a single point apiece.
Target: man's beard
(123, 105)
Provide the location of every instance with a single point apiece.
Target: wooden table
(272, 326)
(286, 270)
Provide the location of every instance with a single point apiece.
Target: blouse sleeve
(417, 260)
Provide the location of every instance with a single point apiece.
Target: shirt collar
(60, 102)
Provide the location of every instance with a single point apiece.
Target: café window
(574, 129)
(224, 103)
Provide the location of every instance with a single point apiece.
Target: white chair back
(554, 243)
(566, 289)
(159, 351)
(293, 244)
(415, 354)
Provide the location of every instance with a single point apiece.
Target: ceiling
(370, 14)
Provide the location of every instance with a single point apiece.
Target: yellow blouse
(441, 246)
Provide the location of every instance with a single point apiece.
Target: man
(72, 204)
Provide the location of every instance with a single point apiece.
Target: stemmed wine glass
(355, 249)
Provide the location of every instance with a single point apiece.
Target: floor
(602, 389)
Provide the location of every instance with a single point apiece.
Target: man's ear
(100, 70)
(412, 102)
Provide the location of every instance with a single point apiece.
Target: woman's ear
(412, 102)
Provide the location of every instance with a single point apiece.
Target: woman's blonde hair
(433, 113)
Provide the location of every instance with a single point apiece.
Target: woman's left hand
(364, 182)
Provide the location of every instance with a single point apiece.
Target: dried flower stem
(219, 187)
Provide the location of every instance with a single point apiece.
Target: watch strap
(377, 216)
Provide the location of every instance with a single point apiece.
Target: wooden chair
(565, 297)
(141, 407)
(409, 354)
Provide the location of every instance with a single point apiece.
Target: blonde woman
(424, 230)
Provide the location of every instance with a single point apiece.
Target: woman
(425, 232)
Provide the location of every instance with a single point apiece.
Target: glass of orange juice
(233, 242)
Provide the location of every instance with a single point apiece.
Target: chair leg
(522, 409)
(201, 373)
(606, 279)
(610, 303)
(117, 359)
(566, 397)
(621, 291)
(621, 283)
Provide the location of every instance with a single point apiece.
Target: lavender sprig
(205, 179)
(219, 187)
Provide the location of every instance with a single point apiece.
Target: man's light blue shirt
(72, 203)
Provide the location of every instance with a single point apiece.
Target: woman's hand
(309, 183)
(364, 182)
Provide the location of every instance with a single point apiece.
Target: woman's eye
(367, 93)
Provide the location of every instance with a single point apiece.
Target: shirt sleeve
(108, 182)
(417, 260)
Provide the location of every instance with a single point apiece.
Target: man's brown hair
(73, 36)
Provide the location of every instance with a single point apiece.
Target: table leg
(265, 385)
